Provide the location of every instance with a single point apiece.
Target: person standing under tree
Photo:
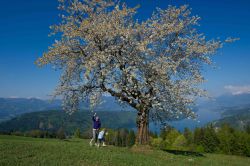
(96, 127)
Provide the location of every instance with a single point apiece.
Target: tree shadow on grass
(184, 153)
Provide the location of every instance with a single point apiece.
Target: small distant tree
(240, 143)
(36, 133)
(118, 139)
(87, 134)
(131, 138)
(61, 133)
(226, 137)
(17, 133)
(158, 143)
(180, 142)
(124, 137)
(172, 136)
(77, 133)
(163, 134)
(153, 66)
(210, 141)
(188, 135)
(164, 131)
(110, 138)
(198, 136)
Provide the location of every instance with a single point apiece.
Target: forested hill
(238, 119)
(12, 107)
(53, 120)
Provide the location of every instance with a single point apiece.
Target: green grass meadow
(34, 151)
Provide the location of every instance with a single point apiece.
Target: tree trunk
(143, 128)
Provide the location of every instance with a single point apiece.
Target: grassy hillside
(53, 120)
(30, 151)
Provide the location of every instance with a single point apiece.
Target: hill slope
(239, 121)
(53, 120)
(236, 117)
(30, 151)
(12, 107)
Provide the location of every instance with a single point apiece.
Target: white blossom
(153, 65)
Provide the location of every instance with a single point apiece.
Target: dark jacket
(96, 124)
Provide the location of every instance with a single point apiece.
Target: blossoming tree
(153, 66)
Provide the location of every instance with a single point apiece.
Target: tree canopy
(153, 65)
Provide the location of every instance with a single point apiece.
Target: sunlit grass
(30, 151)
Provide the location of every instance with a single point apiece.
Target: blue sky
(24, 29)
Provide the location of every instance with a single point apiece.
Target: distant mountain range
(218, 110)
(12, 107)
(207, 110)
(54, 119)
(237, 117)
(223, 102)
